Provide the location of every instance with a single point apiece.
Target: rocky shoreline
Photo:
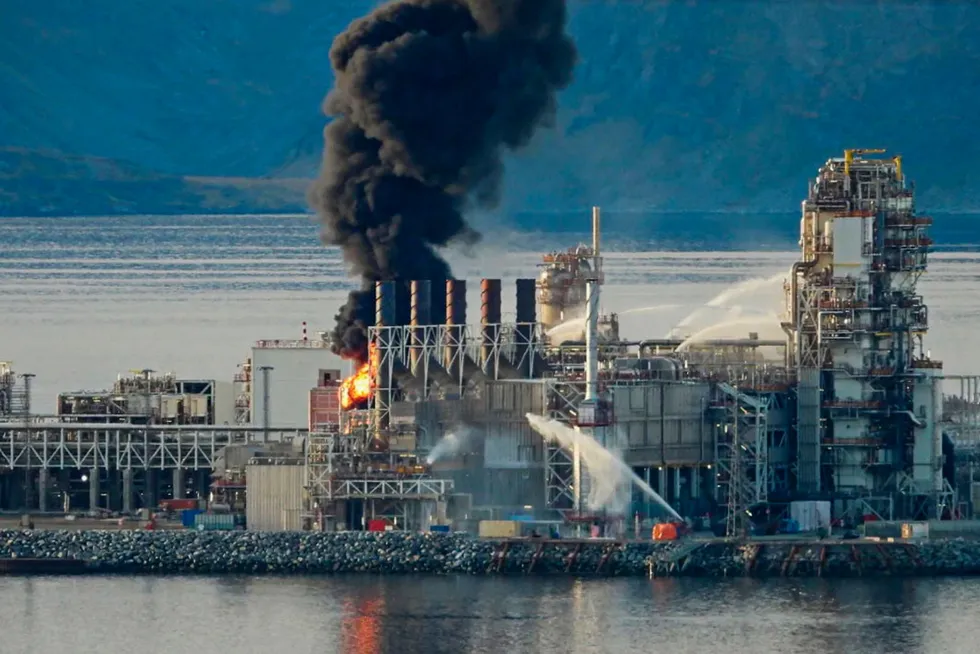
(185, 552)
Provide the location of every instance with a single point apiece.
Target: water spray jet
(605, 467)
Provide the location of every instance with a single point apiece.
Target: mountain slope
(698, 105)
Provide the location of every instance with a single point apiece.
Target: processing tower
(868, 395)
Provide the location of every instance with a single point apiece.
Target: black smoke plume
(428, 94)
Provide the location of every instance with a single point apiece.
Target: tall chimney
(385, 318)
(455, 328)
(385, 304)
(403, 302)
(592, 339)
(524, 330)
(596, 216)
(490, 317)
(592, 315)
(420, 321)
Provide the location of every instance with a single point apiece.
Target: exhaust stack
(526, 319)
(592, 315)
(420, 322)
(490, 317)
(454, 345)
(385, 315)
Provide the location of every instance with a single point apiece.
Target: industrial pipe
(592, 339)
(420, 321)
(490, 317)
(454, 344)
(596, 214)
(403, 302)
(385, 304)
(524, 330)
(386, 318)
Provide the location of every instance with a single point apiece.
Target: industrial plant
(847, 410)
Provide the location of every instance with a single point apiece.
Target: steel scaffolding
(121, 446)
(14, 397)
(242, 389)
(445, 359)
(855, 323)
(564, 398)
(741, 455)
(348, 463)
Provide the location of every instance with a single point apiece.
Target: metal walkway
(77, 445)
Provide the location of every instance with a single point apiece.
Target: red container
(377, 525)
(178, 505)
(325, 406)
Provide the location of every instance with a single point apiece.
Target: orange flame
(358, 387)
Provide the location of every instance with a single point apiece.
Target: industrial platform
(847, 409)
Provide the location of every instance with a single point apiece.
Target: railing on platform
(69, 445)
(390, 489)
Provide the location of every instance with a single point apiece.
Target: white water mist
(724, 301)
(608, 474)
(448, 446)
(570, 330)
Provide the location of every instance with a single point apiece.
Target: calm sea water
(458, 615)
(82, 300)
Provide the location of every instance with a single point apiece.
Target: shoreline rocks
(310, 553)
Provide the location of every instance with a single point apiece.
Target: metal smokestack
(403, 302)
(420, 320)
(490, 317)
(524, 330)
(385, 303)
(596, 216)
(385, 318)
(592, 315)
(591, 339)
(455, 328)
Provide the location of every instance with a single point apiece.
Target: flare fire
(358, 388)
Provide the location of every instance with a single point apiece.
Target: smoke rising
(427, 95)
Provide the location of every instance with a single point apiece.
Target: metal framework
(341, 465)
(143, 399)
(564, 398)
(390, 489)
(242, 385)
(854, 323)
(14, 397)
(69, 445)
(961, 410)
(428, 359)
(741, 455)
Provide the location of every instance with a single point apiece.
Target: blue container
(214, 521)
(442, 529)
(187, 517)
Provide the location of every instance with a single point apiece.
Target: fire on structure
(357, 388)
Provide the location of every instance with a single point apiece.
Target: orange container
(665, 531)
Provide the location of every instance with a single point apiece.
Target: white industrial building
(290, 368)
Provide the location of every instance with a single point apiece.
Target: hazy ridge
(190, 107)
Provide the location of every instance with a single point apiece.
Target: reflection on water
(361, 630)
(370, 615)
